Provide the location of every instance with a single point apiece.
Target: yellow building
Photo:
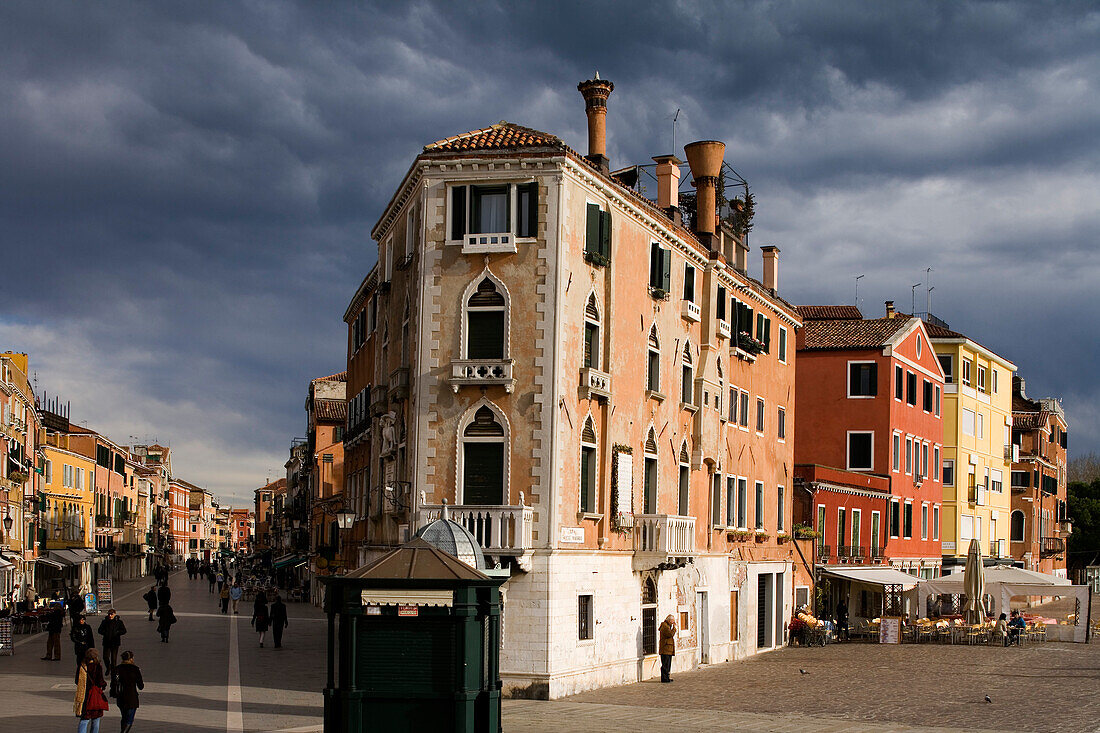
(977, 446)
(67, 520)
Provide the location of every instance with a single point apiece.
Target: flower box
(762, 536)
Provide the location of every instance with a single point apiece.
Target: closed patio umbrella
(974, 584)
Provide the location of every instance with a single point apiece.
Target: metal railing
(849, 553)
(1051, 546)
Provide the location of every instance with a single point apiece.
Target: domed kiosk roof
(454, 539)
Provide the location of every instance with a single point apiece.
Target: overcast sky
(187, 189)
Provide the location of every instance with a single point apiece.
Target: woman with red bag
(90, 703)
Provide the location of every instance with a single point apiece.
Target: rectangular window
(856, 530)
(649, 494)
(782, 344)
(899, 383)
(759, 415)
(686, 385)
(660, 268)
(910, 388)
(742, 503)
(967, 422)
(588, 479)
(781, 424)
(948, 472)
(653, 376)
(584, 617)
(876, 540)
(860, 451)
(936, 463)
(597, 237)
(528, 203)
(731, 501)
(908, 454)
(759, 505)
(764, 331)
(981, 425)
(947, 364)
(924, 521)
(841, 529)
(937, 400)
(684, 499)
(821, 539)
(896, 452)
(935, 522)
(908, 520)
(966, 527)
(591, 345)
(744, 409)
(733, 405)
(996, 480)
(862, 379)
(1021, 478)
(720, 304)
(966, 372)
(929, 396)
(981, 378)
(894, 518)
(689, 283)
(781, 514)
(716, 501)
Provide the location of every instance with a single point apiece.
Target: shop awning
(4, 564)
(407, 597)
(85, 554)
(874, 576)
(286, 560)
(70, 557)
(51, 563)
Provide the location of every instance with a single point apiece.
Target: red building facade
(870, 402)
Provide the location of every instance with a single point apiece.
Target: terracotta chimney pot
(595, 92)
(770, 278)
(889, 309)
(705, 159)
(668, 183)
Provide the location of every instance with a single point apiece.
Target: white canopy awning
(874, 576)
(407, 597)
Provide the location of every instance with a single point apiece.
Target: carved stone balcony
(723, 329)
(488, 243)
(399, 384)
(659, 538)
(482, 373)
(690, 311)
(595, 383)
(500, 530)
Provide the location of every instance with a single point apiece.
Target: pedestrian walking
(83, 639)
(260, 617)
(224, 594)
(278, 620)
(164, 595)
(221, 580)
(235, 594)
(125, 683)
(112, 630)
(842, 620)
(667, 646)
(167, 618)
(30, 598)
(90, 702)
(55, 620)
(152, 601)
(213, 577)
(76, 606)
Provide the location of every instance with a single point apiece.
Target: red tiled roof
(939, 332)
(850, 334)
(501, 136)
(338, 377)
(330, 410)
(829, 313)
(1030, 420)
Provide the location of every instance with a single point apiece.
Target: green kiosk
(414, 639)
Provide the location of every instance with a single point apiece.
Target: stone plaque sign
(572, 535)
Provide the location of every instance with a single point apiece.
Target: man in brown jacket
(667, 647)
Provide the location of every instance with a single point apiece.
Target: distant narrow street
(189, 683)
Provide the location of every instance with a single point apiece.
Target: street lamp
(345, 519)
(8, 521)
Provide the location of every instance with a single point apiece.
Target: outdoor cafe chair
(977, 634)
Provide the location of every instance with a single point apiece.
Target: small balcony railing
(850, 553)
(723, 329)
(482, 373)
(1049, 546)
(664, 534)
(876, 553)
(486, 243)
(595, 383)
(500, 530)
(824, 554)
(690, 311)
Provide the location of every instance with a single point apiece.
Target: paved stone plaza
(214, 677)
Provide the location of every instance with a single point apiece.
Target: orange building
(363, 492)
(595, 386)
(1038, 526)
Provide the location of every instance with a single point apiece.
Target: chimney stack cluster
(704, 157)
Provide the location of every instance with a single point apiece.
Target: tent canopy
(999, 575)
(874, 576)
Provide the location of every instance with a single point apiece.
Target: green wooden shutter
(605, 234)
(485, 335)
(458, 212)
(592, 229)
(666, 270)
(767, 335)
(654, 265)
(483, 473)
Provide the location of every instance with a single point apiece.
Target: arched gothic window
(588, 467)
(687, 383)
(653, 373)
(592, 333)
(649, 477)
(486, 322)
(683, 506)
(484, 441)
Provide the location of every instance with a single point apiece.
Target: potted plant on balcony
(739, 535)
(748, 344)
(658, 293)
(805, 532)
(599, 259)
(761, 535)
(781, 537)
(19, 477)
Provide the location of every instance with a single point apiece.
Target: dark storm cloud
(187, 190)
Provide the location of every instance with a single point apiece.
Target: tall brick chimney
(705, 159)
(771, 268)
(595, 92)
(890, 309)
(668, 185)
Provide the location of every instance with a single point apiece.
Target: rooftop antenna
(913, 304)
(675, 117)
(858, 278)
(928, 293)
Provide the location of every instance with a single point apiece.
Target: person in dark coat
(842, 620)
(260, 617)
(125, 683)
(83, 639)
(167, 618)
(55, 620)
(112, 630)
(89, 676)
(278, 620)
(76, 606)
(667, 646)
(164, 595)
(152, 601)
(212, 577)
